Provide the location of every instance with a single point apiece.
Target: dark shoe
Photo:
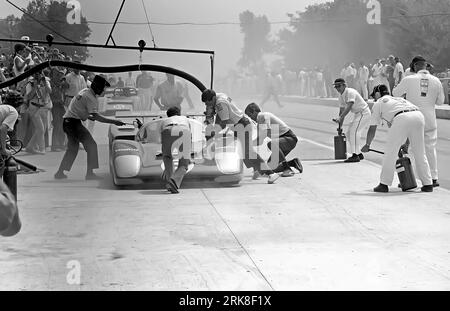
(361, 156)
(256, 175)
(381, 188)
(427, 188)
(288, 173)
(353, 158)
(295, 163)
(435, 183)
(172, 186)
(60, 175)
(92, 176)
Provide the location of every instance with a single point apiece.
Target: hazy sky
(225, 40)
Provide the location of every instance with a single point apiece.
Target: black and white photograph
(243, 147)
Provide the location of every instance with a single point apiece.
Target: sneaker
(295, 163)
(381, 188)
(361, 156)
(93, 176)
(256, 175)
(288, 173)
(60, 175)
(272, 178)
(427, 188)
(435, 183)
(171, 186)
(353, 158)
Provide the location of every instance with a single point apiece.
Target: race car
(120, 99)
(135, 151)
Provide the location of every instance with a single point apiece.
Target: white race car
(135, 151)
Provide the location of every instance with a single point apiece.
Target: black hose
(26, 164)
(103, 69)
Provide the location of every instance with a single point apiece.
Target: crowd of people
(317, 81)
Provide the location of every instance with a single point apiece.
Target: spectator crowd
(317, 81)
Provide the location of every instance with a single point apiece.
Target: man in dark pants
(281, 135)
(229, 113)
(83, 106)
(175, 132)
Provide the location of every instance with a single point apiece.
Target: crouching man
(230, 114)
(404, 121)
(175, 132)
(283, 137)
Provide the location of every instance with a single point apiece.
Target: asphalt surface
(321, 230)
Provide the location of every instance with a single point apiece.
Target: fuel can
(405, 173)
(340, 146)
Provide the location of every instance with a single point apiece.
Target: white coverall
(425, 91)
(360, 120)
(407, 124)
(363, 78)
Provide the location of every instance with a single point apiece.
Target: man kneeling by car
(175, 132)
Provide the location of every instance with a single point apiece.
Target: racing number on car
(424, 87)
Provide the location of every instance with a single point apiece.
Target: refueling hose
(103, 69)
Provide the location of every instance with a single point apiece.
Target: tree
(8, 28)
(53, 14)
(338, 32)
(415, 27)
(331, 33)
(256, 31)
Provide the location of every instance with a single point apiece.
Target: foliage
(53, 14)
(337, 32)
(256, 31)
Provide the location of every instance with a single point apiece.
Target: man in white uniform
(425, 91)
(405, 121)
(350, 100)
(363, 78)
(398, 71)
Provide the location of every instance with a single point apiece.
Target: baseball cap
(417, 59)
(381, 88)
(339, 81)
(100, 81)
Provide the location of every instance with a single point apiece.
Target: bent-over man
(82, 107)
(405, 121)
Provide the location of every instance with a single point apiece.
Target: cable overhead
(238, 23)
(37, 21)
(148, 23)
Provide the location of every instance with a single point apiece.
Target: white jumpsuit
(360, 120)
(405, 121)
(425, 91)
